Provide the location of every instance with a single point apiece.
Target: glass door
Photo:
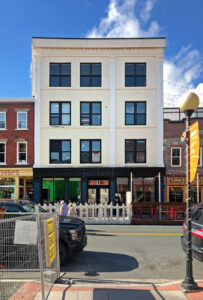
(92, 196)
(104, 195)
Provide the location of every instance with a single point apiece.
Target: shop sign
(7, 173)
(194, 150)
(50, 241)
(181, 180)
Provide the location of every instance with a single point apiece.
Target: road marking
(137, 233)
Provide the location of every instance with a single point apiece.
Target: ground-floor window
(53, 189)
(144, 189)
(75, 189)
(122, 187)
(176, 194)
(7, 188)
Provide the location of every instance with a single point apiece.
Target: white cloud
(131, 18)
(121, 21)
(180, 72)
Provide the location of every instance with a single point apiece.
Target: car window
(30, 207)
(197, 215)
(11, 208)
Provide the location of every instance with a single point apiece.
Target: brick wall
(11, 135)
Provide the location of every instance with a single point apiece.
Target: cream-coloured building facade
(99, 180)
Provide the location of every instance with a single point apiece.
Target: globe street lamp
(188, 106)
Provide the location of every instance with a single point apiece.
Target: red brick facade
(175, 175)
(12, 135)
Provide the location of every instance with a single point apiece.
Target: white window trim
(25, 112)
(18, 162)
(200, 157)
(3, 112)
(180, 158)
(4, 163)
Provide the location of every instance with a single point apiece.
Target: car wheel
(63, 252)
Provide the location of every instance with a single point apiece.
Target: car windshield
(30, 207)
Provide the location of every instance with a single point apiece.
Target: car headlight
(74, 234)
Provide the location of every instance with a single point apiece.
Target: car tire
(63, 252)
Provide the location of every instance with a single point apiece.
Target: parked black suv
(197, 232)
(72, 232)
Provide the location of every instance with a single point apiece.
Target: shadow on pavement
(92, 263)
(118, 294)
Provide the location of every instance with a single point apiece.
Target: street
(131, 253)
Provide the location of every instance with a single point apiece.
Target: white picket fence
(99, 213)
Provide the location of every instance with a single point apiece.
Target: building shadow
(121, 294)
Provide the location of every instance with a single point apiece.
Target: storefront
(95, 185)
(16, 183)
(176, 189)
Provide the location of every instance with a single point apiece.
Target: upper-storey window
(90, 151)
(176, 157)
(22, 152)
(2, 153)
(135, 151)
(2, 120)
(21, 120)
(90, 74)
(60, 74)
(90, 113)
(135, 74)
(60, 113)
(135, 113)
(60, 151)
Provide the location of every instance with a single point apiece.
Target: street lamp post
(188, 106)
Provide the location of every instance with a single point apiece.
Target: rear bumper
(196, 252)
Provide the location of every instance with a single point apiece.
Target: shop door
(97, 195)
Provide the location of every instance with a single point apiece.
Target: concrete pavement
(121, 291)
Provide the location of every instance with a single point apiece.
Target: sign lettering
(194, 150)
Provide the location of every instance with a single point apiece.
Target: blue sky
(180, 21)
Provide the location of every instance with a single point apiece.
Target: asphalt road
(131, 253)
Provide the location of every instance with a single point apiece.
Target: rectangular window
(21, 152)
(90, 113)
(2, 153)
(135, 74)
(60, 151)
(90, 74)
(135, 113)
(90, 151)
(135, 151)
(21, 120)
(175, 157)
(2, 120)
(200, 157)
(60, 113)
(60, 74)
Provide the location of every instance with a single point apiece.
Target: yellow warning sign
(50, 241)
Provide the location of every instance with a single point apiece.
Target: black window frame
(135, 114)
(91, 76)
(60, 114)
(60, 76)
(91, 114)
(135, 75)
(3, 153)
(60, 152)
(135, 141)
(90, 151)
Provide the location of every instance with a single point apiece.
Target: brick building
(16, 148)
(174, 156)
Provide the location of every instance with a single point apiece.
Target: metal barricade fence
(29, 255)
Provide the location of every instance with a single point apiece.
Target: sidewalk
(121, 291)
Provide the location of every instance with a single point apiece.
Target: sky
(180, 21)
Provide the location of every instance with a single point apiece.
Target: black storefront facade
(96, 185)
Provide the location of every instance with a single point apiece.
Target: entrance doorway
(97, 195)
